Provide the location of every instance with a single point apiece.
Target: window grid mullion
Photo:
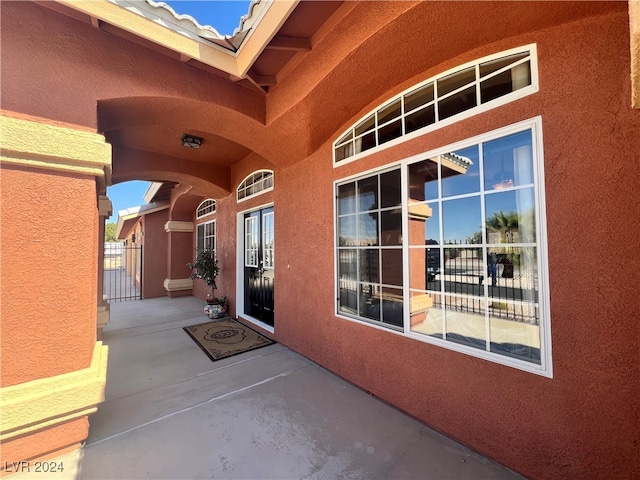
(485, 253)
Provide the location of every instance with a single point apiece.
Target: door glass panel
(251, 241)
(267, 241)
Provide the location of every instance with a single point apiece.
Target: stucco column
(105, 210)
(180, 251)
(53, 371)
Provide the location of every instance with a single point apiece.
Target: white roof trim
(151, 191)
(139, 211)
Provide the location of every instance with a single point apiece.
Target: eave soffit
(159, 23)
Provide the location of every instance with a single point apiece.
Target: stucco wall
(111, 68)
(583, 422)
(49, 248)
(154, 254)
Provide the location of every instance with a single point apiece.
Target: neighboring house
(142, 230)
(332, 153)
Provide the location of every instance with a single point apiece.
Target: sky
(224, 16)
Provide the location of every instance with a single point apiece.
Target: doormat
(226, 337)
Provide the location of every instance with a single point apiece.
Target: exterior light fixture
(191, 141)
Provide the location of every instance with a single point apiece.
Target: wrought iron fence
(122, 272)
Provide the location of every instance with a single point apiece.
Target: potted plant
(206, 268)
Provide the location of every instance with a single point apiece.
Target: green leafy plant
(206, 268)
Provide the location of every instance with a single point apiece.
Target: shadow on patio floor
(170, 412)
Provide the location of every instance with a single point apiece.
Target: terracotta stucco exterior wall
(46, 253)
(154, 254)
(583, 423)
(111, 68)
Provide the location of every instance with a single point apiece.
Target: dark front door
(259, 265)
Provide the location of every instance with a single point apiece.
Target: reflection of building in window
(472, 250)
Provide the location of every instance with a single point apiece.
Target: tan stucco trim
(177, 284)
(33, 406)
(104, 315)
(634, 28)
(33, 143)
(175, 226)
(105, 207)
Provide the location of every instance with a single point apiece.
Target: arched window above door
(206, 207)
(258, 182)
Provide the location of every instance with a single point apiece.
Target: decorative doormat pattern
(226, 337)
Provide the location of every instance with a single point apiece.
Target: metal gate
(122, 272)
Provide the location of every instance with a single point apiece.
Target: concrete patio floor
(170, 412)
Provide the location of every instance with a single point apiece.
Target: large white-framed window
(449, 247)
(254, 184)
(206, 236)
(458, 93)
(206, 207)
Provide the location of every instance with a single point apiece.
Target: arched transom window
(258, 182)
(441, 100)
(206, 207)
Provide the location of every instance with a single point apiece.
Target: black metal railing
(122, 272)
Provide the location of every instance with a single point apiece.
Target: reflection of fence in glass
(508, 280)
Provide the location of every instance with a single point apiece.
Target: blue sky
(224, 16)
